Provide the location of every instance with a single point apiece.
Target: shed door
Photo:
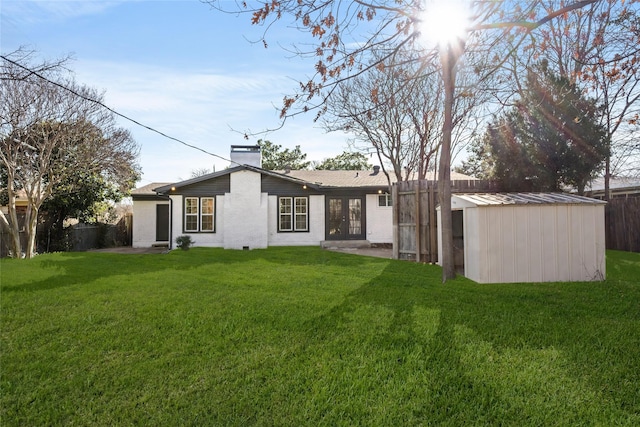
(345, 218)
(457, 218)
(162, 223)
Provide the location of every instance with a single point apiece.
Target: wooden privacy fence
(623, 232)
(79, 237)
(415, 229)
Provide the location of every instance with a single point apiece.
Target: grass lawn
(302, 336)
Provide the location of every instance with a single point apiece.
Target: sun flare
(444, 22)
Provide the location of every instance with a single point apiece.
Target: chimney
(246, 155)
(376, 170)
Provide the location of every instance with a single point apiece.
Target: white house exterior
(247, 207)
(148, 210)
(528, 237)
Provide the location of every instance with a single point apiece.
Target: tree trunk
(448, 59)
(14, 233)
(31, 224)
(12, 223)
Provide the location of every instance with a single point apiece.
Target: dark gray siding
(148, 197)
(281, 187)
(353, 192)
(211, 187)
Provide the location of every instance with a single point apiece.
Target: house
(619, 187)
(247, 207)
(21, 203)
(528, 237)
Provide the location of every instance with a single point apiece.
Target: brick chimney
(249, 155)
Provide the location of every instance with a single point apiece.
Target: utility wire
(35, 73)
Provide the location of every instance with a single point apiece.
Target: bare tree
(48, 129)
(598, 49)
(396, 111)
(612, 74)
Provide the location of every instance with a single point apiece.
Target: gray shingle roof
(342, 178)
(148, 190)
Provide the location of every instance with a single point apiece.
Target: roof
(351, 178)
(20, 197)
(314, 178)
(495, 199)
(149, 189)
(617, 185)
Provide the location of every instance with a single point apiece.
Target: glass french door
(345, 218)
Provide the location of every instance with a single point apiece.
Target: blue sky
(177, 66)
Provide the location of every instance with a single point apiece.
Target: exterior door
(345, 218)
(162, 223)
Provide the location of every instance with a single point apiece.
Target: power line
(124, 116)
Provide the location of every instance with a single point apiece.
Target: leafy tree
(84, 195)
(348, 160)
(48, 133)
(550, 140)
(274, 157)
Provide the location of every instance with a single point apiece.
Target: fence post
(418, 248)
(395, 203)
(433, 226)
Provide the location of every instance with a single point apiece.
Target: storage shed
(528, 237)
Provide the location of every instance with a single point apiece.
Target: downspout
(170, 223)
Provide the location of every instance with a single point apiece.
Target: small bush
(184, 242)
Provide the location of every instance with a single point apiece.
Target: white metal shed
(528, 237)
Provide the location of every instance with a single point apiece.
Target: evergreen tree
(274, 157)
(550, 140)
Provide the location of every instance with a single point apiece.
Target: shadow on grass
(382, 343)
(73, 268)
(550, 354)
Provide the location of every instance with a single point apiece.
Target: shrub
(184, 242)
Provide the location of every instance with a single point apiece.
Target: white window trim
(187, 215)
(305, 214)
(212, 215)
(199, 214)
(293, 215)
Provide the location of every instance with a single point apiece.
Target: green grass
(302, 336)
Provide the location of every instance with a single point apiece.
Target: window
(293, 214)
(191, 214)
(384, 199)
(206, 215)
(199, 214)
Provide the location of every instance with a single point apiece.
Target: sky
(177, 66)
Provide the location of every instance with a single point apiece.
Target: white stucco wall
(534, 243)
(245, 217)
(245, 212)
(199, 239)
(316, 225)
(144, 223)
(379, 221)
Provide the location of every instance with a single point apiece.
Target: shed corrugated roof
(488, 199)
